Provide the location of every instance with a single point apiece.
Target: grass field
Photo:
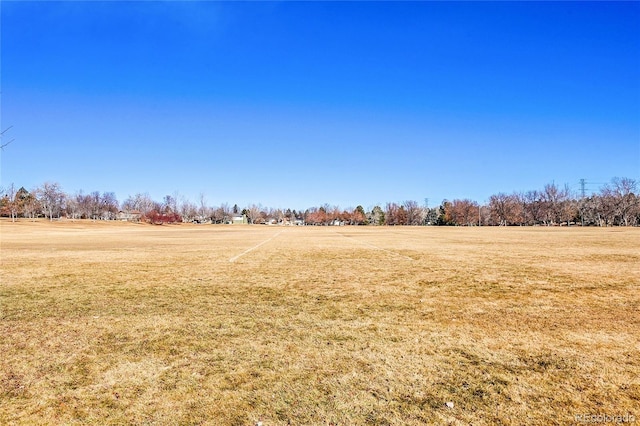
(114, 323)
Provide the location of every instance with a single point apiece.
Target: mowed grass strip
(121, 323)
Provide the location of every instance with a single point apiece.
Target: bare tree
(391, 213)
(169, 204)
(554, 197)
(622, 200)
(484, 214)
(51, 198)
(31, 204)
(94, 204)
(108, 206)
(217, 215)
(505, 209)
(569, 210)
(605, 209)
(499, 205)
(10, 195)
(73, 206)
(333, 214)
(315, 216)
(226, 212)
(413, 211)
(589, 210)
(204, 210)
(188, 210)
(535, 207)
(253, 213)
(141, 203)
(84, 204)
(521, 200)
(465, 212)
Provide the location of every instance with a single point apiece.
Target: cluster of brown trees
(328, 215)
(50, 201)
(616, 204)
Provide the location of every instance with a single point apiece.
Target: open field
(112, 323)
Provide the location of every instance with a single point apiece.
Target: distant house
(130, 216)
(237, 219)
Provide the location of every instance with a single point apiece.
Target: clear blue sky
(301, 104)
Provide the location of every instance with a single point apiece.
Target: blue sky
(305, 103)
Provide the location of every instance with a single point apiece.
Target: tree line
(616, 204)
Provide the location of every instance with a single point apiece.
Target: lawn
(112, 323)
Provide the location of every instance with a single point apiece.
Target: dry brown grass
(119, 323)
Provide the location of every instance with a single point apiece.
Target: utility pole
(426, 220)
(582, 193)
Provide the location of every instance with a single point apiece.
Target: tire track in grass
(376, 247)
(234, 258)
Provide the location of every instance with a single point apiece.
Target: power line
(2, 135)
